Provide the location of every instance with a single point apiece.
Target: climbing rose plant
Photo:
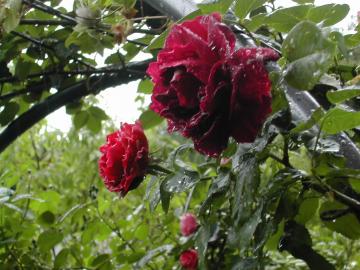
(250, 174)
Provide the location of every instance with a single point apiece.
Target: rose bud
(188, 224)
(206, 89)
(189, 259)
(121, 31)
(125, 157)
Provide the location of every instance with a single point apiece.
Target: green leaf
(221, 6)
(115, 58)
(336, 120)
(255, 22)
(95, 230)
(297, 45)
(246, 264)
(145, 87)
(309, 60)
(348, 225)
(131, 51)
(14, 207)
(305, 72)
(73, 210)
(181, 181)
(86, 43)
(173, 155)
(11, 16)
(205, 232)
(47, 218)
(165, 197)
(154, 198)
(339, 39)
(150, 119)
(315, 117)
(307, 209)
(241, 236)
(8, 113)
(49, 239)
(151, 254)
(247, 181)
(158, 42)
(49, 201)
(218, 188)
(142, 232)
(303, 1)
(329, 14)
(80, 119)
(23, 69)
(93, 124)
(341, 95)
(73, 107)
(100, 260)
(61, 258)
(244, 7)
(283, 20)
(98, 113)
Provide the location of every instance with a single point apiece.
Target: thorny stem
(324, 188)
(114, 229)
(188, 200)
(46, 22)
(342, 81)
(137, 42)
(286, 151)
(276, 158)
(157, 168)
(149, 18)
(41, 6)
(146, 31)
(317, 142)
(41, 44)
(60, 72)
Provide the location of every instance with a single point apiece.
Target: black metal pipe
(176, 9)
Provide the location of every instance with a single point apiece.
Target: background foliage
(290, 200)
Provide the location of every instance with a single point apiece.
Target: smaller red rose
(125, 157)
(188, 224)
(189, 259)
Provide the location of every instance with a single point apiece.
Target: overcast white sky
(119, 102)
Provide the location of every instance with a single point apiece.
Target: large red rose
(124, 158)
(189, 259)
(188, 224)
(183, 67)
(206, 89)
(236, 101)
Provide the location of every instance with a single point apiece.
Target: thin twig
(47, 22)
(61, 72)
(114, 229)
(188, 199)
(40, 43)
(47, 9)
(137, 43)
(149, 18)
(146, 31)
(32, 40)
